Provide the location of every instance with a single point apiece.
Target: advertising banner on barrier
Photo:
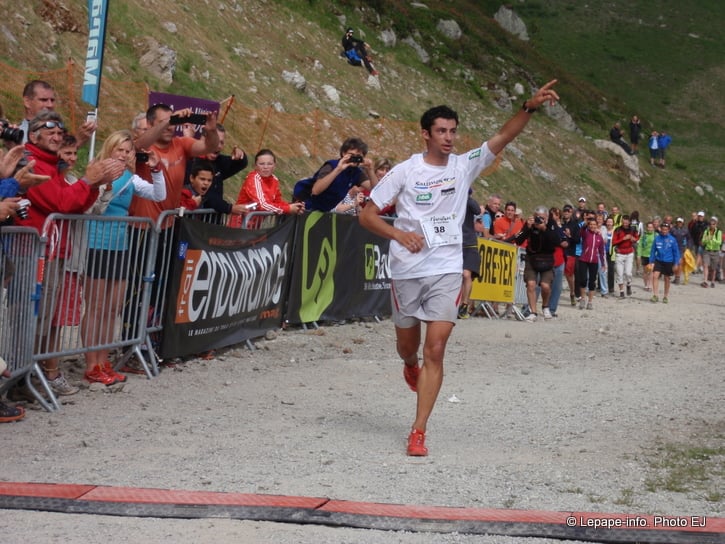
(226, 285)
(497, 275)
(341, 270)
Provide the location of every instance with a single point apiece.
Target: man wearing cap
(711, 243)
(682, 235)
(581, 208)
(356, 51)
(696, 231)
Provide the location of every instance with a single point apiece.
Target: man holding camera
(336, 177)
(174, 153)
(542, 237)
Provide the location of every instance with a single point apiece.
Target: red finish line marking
(137, 495)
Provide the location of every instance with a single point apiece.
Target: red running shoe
(410, 373)
(98, 375)
(108, 369)
(416, 444)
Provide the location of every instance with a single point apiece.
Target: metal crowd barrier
(520, 297)
(80, 308)
(261, 220)
(53, 306)
(152, 311)
(20, 256)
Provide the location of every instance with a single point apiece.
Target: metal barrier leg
(517, 313)
(487, 309)
(51, 404)
(152, 370)
(152, 366)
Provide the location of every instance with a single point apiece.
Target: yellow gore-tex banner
(497, 275)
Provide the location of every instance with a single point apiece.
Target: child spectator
(352, 203)
(262, 188)
(200, 178)
(68, 309)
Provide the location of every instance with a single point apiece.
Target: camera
(539, 220)
(252, 206)
(193, 119)
(142, 156)
(10, 134)
(22, 210)
(356, 159)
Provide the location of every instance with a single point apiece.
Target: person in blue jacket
(334, 179)
(663, 142)
(664, 257)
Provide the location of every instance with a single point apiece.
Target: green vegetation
(626, 498)
(661, 60)
(688, 469)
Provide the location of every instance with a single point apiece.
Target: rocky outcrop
(630, 163)
(511, 22)
(295, 79)
(159, 60)
(388, 37)
(422, 53)
(450, 29)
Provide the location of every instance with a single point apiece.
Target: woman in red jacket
(262, 188)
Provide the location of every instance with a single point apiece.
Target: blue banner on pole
(97, 12)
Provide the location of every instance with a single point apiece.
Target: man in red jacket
(624, 241)
(45, 136)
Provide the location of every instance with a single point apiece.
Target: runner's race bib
(441, 230)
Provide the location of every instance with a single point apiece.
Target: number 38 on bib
(441, 230)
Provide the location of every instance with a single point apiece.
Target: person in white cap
(581, 208)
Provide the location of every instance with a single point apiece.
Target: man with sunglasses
(45, 136)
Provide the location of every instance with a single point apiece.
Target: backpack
(302, 190)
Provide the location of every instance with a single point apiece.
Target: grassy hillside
(231, 47)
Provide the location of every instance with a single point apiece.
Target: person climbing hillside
(357, 51)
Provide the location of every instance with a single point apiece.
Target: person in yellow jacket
(711, 242)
